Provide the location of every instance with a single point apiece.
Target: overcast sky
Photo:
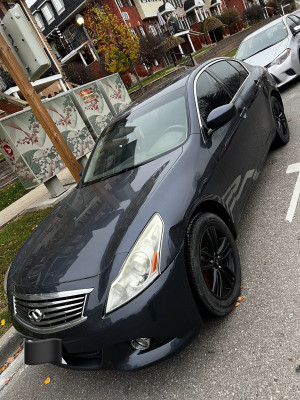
(30, 2)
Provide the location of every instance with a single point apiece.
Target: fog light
(141, 343)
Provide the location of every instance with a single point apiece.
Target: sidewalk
(37, 199)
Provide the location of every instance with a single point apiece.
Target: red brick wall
(196, 42)
(96, 68)
(238, 4)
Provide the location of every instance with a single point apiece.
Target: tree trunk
(136, 75)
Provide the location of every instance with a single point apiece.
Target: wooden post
(38, 108)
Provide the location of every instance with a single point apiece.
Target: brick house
(70, 42)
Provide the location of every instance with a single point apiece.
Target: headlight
(283, 56)
(5, 280)
(141, 266)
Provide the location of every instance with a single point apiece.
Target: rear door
(239, 146)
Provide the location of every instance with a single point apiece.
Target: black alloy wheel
(281, 124)
(213, 264)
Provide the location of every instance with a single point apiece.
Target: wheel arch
(276, 94)
(216, 208)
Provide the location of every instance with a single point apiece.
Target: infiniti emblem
(35, 315)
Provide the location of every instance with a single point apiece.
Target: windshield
(142, 135)
(261, 41)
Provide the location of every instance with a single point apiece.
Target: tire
(281, 126)
(213, 264)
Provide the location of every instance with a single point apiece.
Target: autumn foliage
(113, 39)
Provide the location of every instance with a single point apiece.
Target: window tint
(243, 72)
(227, 75)
(292, 21)
(210, 94)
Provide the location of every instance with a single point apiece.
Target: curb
(9, 344)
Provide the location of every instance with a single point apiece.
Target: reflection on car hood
(266, 56)
(80, 238)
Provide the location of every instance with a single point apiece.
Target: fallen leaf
(241, 298)
(2, 322)
(291, 359)
(10, 360)
(6, 382)
(47, 381)
(3, 368)
(241, 287)
(237, 304)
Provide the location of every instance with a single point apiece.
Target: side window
(227, 74)
(210, 94)
(292, 22)
(242, 71)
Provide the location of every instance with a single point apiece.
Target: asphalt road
(254, 352)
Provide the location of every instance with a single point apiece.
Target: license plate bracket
(42, 351)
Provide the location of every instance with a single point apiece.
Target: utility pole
(38, 108)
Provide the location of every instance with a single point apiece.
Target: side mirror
(220, 116)
(296, 30)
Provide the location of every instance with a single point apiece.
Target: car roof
(283, 19)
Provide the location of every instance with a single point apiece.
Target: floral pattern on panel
(38, 159)
(116, 92)
(95, 108)
(17, 165)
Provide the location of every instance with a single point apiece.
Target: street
(255, 351)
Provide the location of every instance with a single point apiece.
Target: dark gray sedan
(120, 274)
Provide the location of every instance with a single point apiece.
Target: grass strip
(231, 53)
(11, 193)
(12, 237)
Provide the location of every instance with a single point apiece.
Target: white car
(276, 47)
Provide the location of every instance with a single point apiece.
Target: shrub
(127, 80)
(79, 74)
(230, 16)
(254, 14)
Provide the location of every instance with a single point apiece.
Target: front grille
(50, 312)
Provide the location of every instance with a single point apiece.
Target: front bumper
(165, 312)
(287, 71)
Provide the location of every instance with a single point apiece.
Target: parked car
(275, 47)
(121, 272)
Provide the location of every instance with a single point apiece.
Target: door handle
(257, 82)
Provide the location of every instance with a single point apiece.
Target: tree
(212, 23)
(151, 49)
(253, 13)
(79, 74)
(230, 16)
(114, 40)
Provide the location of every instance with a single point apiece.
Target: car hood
(266, 56)
(80, 238)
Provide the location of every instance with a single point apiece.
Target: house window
(133, 32)
(48, 13)
(152, 30)
(59, 6)
(39, 21)
(142, 31)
